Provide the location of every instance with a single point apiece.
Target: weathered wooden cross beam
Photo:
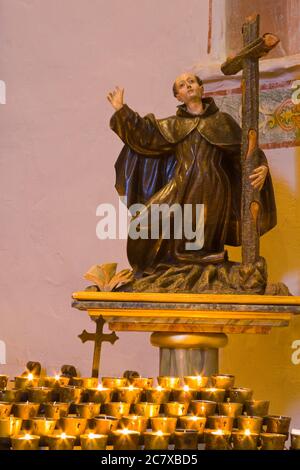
(99, 337)
(247, 60)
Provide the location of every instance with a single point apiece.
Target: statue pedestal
(189, 329)
(188, 354)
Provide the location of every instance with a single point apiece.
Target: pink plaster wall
(59, 58)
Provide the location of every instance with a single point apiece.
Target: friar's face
(188, 88)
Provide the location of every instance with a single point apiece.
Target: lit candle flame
(92, 435)
(194, 418)
(247, 432)
(159, 388)
(30, 376)
(27, 437)
(186, 388)
(130, 387)
(159, 433)
(57, 377)
(63, 435)
(100, 387)
(125, 431)
(219, 432)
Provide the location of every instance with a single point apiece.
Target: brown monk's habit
(185, 159)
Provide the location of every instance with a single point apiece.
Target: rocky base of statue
(224, 278)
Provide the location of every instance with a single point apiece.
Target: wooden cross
(99, 337)
(248, 61)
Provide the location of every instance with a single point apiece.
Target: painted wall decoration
(279, 112)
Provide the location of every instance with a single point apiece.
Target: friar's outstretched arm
(141, 134)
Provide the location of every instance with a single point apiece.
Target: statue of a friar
(190, 159)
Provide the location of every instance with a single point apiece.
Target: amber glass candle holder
(134, 423)
(72, 425)
(217, 439)
(257, 407)
(212, 394)
(225, 423)
(272, 441)
(124, 439)
(196, 381)
(150, 410)
(56, 409)
(277, 424)
(61, 441)
(174, 408)
(295, 439)
(142, 382)
(114, 382)
(3, 381)
(70, 394)
(158, 395)
(203, 407)
(165, 424)
(93, 441)
(5, 409)
(10, 426)
(42, 426)
(244, 440)
(129, 394)
(25, 442)
(167, 381)
(55, 381)
(240, 394)
(117, 409)
(156, 440)
(99, 394)
(27, 381)
(184, 395)
(104, 424)
(88, 410)
(252, 423)
(185, 439)
(39, 394)
(230, 409)
(25, 410)
(84, 382)
(225, 381)
(14, 395)
(197, 423)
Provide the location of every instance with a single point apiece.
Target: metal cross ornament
(99, 337)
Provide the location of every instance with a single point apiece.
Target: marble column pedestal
(188, 354)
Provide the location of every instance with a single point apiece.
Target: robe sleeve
(140, 134)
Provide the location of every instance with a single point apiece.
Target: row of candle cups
(118, 387)
(163, 433)
(273, 424)
(27, 410)
(225, 381)
(131, 395)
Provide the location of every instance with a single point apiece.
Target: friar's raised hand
(116, 98)
(258, 177)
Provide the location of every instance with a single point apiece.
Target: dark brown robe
(186, 159)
